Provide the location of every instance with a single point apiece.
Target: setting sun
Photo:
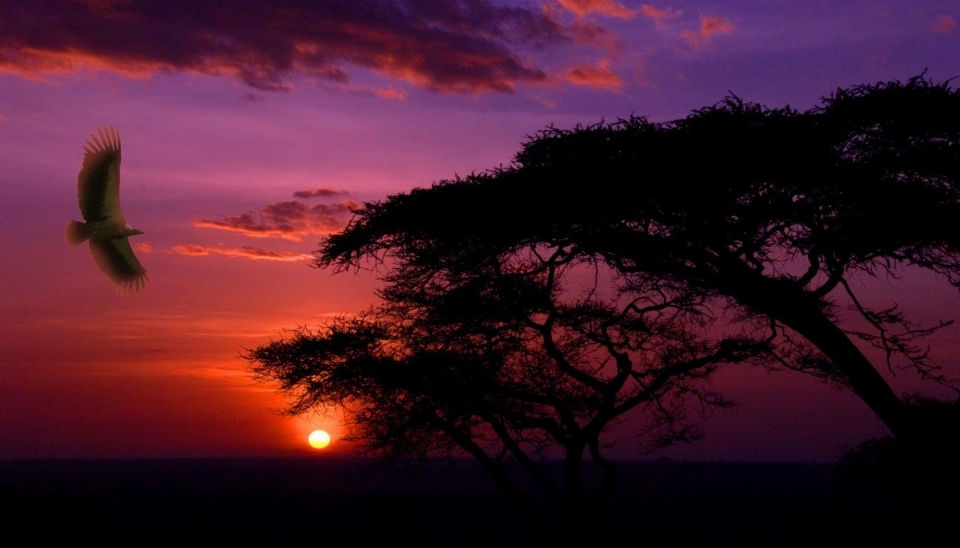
(318, 439)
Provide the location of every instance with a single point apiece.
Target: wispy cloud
(322, 192)
(944, 24)
(600, 76)
(710, 26)
(589, 33)
(291, 219)
(659, 15)
(612, 8)
(389, 92)
(243, 252)
(452, 46)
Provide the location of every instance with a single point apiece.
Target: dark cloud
(590, 33)
(323, 192)
(243, 252)
(462, 46)
(290, 220)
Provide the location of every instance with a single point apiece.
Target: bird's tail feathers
(75, 233)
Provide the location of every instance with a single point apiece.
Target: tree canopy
(524, 357)
(764, 212)
(611, 268)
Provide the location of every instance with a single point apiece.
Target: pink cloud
(388, 93)
(710, 26)
(945, 24)
(598, 77)
(612, 8)
(448, 47)
(243, 252)
(292, 219)
(660, 16)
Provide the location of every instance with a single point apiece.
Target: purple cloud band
(451, 46)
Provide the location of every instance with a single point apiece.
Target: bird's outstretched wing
(116, 259)
(98, 185)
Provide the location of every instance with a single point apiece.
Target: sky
(249, 133)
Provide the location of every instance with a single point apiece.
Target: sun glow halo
(318, 439)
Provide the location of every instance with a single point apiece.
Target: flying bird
(98, 191)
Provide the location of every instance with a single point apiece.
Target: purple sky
(248, 133)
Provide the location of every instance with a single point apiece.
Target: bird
(98, 192)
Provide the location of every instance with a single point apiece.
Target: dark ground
(275, 501)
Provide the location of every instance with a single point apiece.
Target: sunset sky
(249, 133)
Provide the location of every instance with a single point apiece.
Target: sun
(318, 439)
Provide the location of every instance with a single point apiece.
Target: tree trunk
(803, 313)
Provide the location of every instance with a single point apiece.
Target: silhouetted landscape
(436, 502)
(484, 257)
(530, 337)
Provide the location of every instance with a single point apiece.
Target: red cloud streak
(613, 8)
(453, 46)
(710, 26)
(600, 76)
(659, 15)
(244, 252)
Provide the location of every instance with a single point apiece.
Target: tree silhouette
(523, 357)
(763, 215)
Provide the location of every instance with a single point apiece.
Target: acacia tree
(764, 214)
(514, 360)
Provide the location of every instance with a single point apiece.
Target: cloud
(710, 26)
(450, 46)
(192, 250)
(290, 220)
(612, 8)
(322, 192)
(389, 92)
(243, 252)
(659, 16)
(945, 24)
(588, 33)
(598, 77)
(146, 248)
